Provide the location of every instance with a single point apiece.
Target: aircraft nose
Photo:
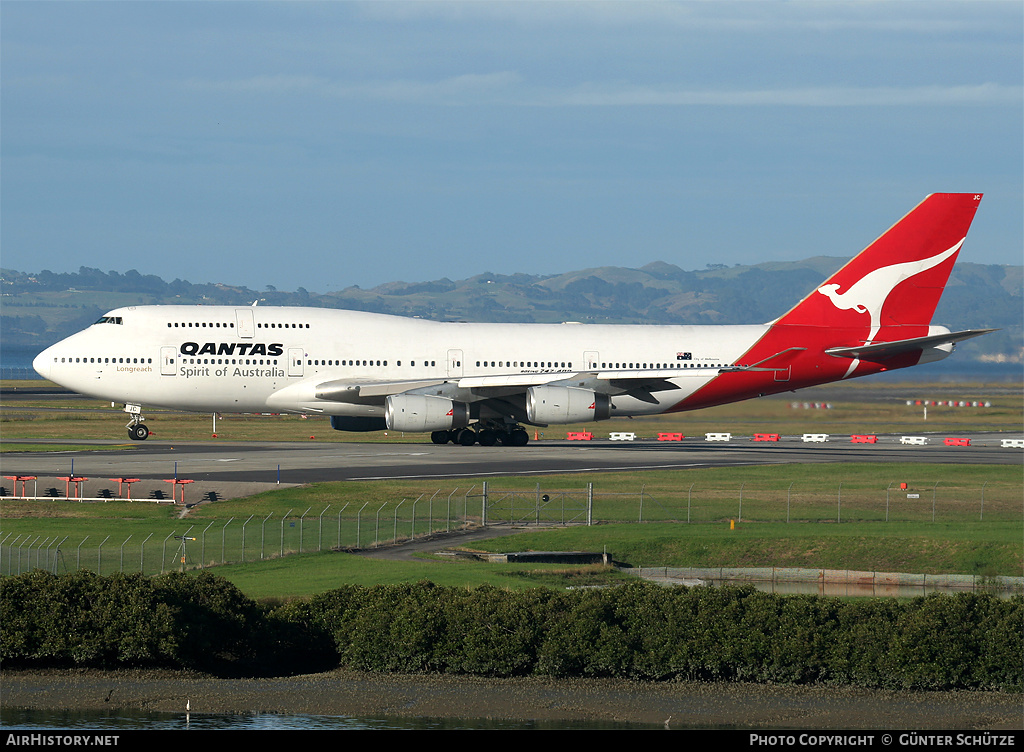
(41, 363)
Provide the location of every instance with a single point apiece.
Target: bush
(637, 631)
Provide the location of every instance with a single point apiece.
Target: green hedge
(181, 620)
(637, 631)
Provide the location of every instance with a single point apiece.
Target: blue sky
(331, 144)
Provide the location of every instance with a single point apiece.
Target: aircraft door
(295, 356)
(168, 358)
(591, 359)
(455, 363)
(244, 322)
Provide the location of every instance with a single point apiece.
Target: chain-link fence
(136, 546)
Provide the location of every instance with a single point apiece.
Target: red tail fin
(898, 279)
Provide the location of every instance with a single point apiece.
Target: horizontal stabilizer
(883, 350)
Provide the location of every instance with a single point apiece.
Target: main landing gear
(137, 430)
(486, 436)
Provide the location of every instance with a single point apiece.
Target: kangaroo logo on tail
(869, 293)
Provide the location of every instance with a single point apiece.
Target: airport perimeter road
(299, 463)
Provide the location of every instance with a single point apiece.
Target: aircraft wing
(637, 382)
(884, 350)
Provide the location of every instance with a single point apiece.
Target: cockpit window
(109, 320)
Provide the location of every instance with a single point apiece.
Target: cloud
(818, 96)
(510, 88)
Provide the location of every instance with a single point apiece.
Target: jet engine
(566, 404)
(417, 412)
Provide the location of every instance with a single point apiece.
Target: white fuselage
(249, 359)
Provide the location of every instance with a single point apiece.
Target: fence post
(395, 540)
(412, 527)
(30, 542)
(281, 553)
(121, 565)
(99, 557)
(430, 512)
(223, 540)
(263, 535)
(57, 553)
(590, 505)
(339, 521)
(982, 516)
(142, 555)
(30, 552)
(163, 552)
(789, 497)
(359, 522)
(376, 525)
(2, 542)
(243, 535)
(448, 511)
(202, 546)
(302, 525)
(320, 531)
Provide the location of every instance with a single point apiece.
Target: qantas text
(231, 348)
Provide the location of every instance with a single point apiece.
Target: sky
(329, 144)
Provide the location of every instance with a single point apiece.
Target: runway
(234, 468)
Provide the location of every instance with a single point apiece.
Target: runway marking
(562, 471)
(390, 454)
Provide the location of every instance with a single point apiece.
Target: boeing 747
(481, 383)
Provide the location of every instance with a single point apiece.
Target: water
(139, 720)
(16, 362)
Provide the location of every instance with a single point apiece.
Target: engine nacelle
(566, 404)
(417, 412)
(357, 423)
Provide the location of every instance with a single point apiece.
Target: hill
(38, 309)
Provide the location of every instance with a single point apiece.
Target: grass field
(307, 522)
(966, 519)
(859, 408)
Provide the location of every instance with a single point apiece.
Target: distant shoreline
(354, 694)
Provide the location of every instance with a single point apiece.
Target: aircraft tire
(467, 437)
(138, 432)
(519, 438)
(441, 437)
(487, 437)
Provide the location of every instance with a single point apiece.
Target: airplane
(469, 383)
